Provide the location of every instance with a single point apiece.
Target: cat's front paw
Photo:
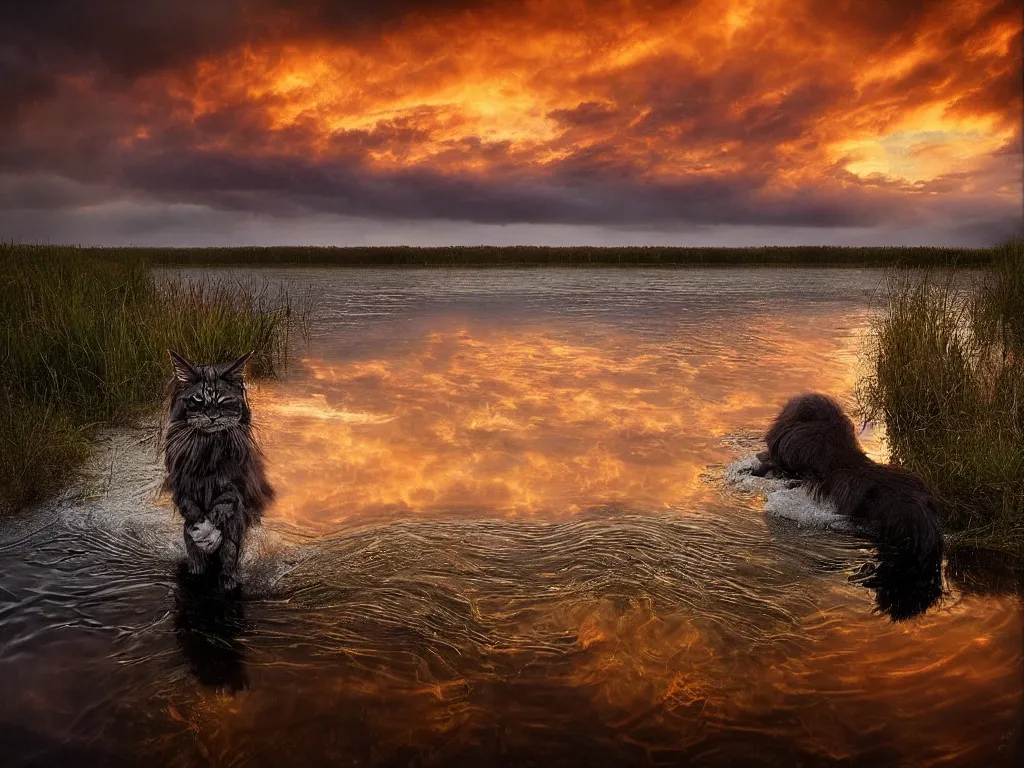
(206, 535)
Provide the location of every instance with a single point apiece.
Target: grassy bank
(83, 343)
(948, 381)
(528, 256)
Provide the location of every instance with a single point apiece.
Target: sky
(549, 122)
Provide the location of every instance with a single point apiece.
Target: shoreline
(516, 257)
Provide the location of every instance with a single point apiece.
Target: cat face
(209, 398)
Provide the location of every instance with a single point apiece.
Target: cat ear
(234, 370)
(183, 369)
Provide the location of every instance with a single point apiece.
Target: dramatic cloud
(660, 116)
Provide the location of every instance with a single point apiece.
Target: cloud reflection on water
(487, 419)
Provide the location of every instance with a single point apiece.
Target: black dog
(813, 440)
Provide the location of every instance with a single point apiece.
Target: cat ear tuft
(183, 369)
(234, 370)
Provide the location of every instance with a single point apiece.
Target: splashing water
(783, 501)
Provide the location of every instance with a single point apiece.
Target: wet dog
(813, 440)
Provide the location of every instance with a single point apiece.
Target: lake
(503, 537)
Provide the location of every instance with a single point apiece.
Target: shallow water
(503, 537)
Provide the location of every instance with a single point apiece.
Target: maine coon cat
(215, 470)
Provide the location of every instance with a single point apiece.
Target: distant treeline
(538, 256)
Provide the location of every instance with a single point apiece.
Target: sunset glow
(579, 113)
(446, 94)
(524, 423)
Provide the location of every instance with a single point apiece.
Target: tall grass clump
(947, 378)
(83, 343)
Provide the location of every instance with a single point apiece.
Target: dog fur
(813, 440)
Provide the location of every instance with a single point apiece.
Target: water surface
(502, 538)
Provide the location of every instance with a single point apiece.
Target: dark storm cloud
(356, 17)
(286, 187)
(46, 192)
(41, 40)
(133, 37)
(587, 114)
(102, 101)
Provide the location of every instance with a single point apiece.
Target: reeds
(83, 343)
(947, 378)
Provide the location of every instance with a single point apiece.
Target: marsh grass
(540, 256)
(83, 343)
(947, 378)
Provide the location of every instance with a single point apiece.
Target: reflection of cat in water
(214, 467)
(814, 441)
(207, 627)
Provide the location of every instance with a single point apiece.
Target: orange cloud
(677, 91)
(587, 112)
